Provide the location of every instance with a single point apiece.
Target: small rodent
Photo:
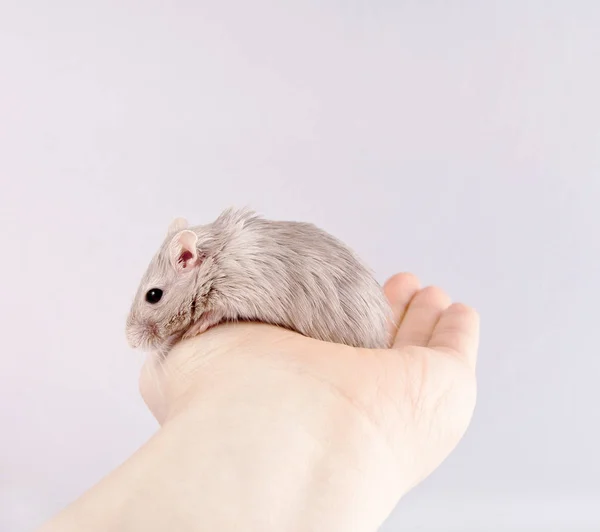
(244, 267)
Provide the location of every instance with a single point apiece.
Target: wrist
(305, 462)
(246, 443)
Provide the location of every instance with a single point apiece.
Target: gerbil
(244, 267)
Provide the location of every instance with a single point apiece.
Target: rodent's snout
(133, 341)
(141, 335)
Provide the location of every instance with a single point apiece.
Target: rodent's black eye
(153, 295)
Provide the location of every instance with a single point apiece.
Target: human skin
(262, 429)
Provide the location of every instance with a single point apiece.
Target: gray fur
(290, 274)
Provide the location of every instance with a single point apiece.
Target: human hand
(377, 421)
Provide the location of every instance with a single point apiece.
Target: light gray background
(456, 140)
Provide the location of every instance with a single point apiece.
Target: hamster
(245, 267)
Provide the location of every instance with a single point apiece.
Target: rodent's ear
(182, 250)
(178, 224)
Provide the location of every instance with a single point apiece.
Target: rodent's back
(298, 276)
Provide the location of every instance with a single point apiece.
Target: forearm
(235, 459)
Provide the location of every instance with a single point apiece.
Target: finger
(420, 319)
(457, 332)
(399, 290)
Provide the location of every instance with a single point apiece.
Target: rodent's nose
(132, 340)
(142, 335)
(134, 344)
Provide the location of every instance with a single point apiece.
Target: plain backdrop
(456, 140)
